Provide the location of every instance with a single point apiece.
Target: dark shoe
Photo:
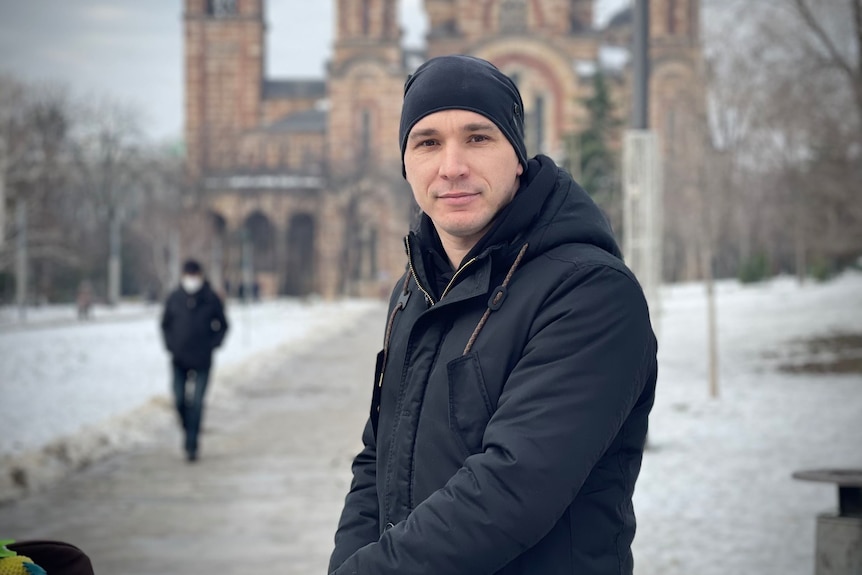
(192, 456)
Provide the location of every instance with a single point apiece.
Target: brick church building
(301, 179)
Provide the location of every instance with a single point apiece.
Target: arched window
(365, 265)
(299, 276)
(366, 17)
(513, 16)
(670, 132)
(221, 8)
(388, 10)
(365, 138)
(343, 21)
(671, 17)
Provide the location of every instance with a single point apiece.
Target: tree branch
(808, 17)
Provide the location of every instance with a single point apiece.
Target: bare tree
(817, 108)
(784, 112)
(162, 212)
(107, 148)
(34, 128)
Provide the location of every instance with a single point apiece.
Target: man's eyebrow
(471, 127)
(479, 127)
(423, 133)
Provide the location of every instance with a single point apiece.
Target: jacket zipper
(416, 278)
(413, 273)
(454, 277)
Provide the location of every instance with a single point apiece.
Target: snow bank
(74, 391)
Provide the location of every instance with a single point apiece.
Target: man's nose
(453, 163)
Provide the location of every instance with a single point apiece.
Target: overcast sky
(131, 51)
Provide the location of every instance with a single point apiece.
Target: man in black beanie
(510, 401)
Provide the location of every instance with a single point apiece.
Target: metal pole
(21, 279)
(247, 264)
(640, 49)
(642, 174)
(216, 274)
(173, 258)
(2, 193)
(711, 323)
(114, 247)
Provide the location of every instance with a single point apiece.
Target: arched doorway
(299, 279)
(218, 241)
(258, 256)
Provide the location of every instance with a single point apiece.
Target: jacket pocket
(470, 408)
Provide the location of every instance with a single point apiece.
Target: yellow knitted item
(14, 565)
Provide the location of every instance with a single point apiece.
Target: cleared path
(266, 493)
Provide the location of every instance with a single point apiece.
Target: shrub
(754, 269)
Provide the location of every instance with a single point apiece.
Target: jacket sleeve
(167, 325)
(581, 372)
(359, 523)
(220, 330)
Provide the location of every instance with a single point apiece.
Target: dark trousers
(190, 385)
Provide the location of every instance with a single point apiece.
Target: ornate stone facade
(302, 179)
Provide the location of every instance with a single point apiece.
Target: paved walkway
(264, 496)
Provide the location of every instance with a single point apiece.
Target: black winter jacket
(193, 325)
(512, 412)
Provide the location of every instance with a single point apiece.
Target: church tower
(677, 112)
(674, 22)
(676, 65)
(224, 51)
(366, 82)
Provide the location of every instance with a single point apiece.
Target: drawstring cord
(399, 305)
(496, 300)
(494, 303)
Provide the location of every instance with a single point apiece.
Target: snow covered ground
(715, 496)
(72, 390)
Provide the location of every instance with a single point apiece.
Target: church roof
(286, 89)
(305, 121)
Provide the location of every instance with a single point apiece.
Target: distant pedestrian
(193, 325)
(84, 299)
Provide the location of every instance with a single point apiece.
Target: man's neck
(456, 249)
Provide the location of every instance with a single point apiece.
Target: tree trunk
(712, 328)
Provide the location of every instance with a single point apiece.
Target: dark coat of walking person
(510, 403)
(193, 325)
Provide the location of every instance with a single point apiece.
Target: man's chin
(466, 229)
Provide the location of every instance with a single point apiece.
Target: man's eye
(478, 138)
(427, 143)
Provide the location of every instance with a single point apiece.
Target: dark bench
(839, 536)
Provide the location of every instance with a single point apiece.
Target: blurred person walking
(84, 299)
(193, 326)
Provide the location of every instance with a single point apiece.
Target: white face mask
(191, 284)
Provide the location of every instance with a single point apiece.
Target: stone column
(328, 246)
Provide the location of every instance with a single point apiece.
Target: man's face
(462, 170)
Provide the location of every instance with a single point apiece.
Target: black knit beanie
(464, 83)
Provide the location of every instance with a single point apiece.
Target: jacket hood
(565, 214)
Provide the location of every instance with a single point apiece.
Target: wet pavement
(265, 494)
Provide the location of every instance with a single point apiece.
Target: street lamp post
(21, 279)
(2, 193)
(642, 182)
(114, 254)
